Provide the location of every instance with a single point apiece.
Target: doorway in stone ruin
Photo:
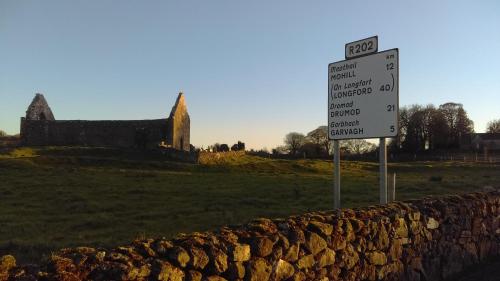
(42, 116)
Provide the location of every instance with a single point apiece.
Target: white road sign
(363, 97)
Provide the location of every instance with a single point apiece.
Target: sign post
(336, 176)
(363, 102)
(383, 170)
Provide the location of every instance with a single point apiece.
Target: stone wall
(429, 239)
(121, 133)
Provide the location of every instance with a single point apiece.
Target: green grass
(62, 197)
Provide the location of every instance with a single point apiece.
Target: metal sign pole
(383, 171)
(336, 174)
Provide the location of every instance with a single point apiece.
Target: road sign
(363, 97)
(361, 47)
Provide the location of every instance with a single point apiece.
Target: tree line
(421, 128)
(316, 144)
(218, 147)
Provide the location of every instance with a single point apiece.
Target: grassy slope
(59, 197)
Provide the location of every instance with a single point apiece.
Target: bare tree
(493, 126)
(357, 146)
(281, 149)
(319, 137)
(293, 141)
(3, 133)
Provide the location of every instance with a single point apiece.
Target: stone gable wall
(179, 125)
(93, 133)
(427, 239)
(39, 109)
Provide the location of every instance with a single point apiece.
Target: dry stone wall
(429, 239)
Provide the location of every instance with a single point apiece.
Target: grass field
(61, 197)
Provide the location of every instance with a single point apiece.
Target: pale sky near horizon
(251, 70)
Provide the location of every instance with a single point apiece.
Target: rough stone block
(258, 269)
(314, 243)
(325, 258)
(283, 270)
(262, 246)
(377, 258)
(306, 262)
(240, 252)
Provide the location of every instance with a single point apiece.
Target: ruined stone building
(39, 127)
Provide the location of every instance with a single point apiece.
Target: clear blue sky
(251, 70)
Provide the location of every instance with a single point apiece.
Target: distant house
(481, 142)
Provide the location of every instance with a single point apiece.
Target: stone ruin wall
(179, 124)
(92, 133)
(428, 239)
(180, 136)
(40, 128)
